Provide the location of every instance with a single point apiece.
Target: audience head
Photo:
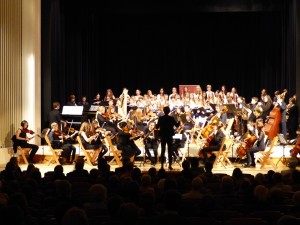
(63, 188)
(208, 166)
(98, 193)
(186, 165)
(172, 200)
(197, 184)
(146, 180)
(296, 198)
(261, 193)
(128, 213)
(79, 164)
(75, 216)
(237, 173)
(288, 220)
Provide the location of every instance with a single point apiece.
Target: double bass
(271, 127)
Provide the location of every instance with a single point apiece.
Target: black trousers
(164, 142)
(34, 149)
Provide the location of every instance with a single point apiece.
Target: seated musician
(104, 121)
(126, 141)
(138, 120)
(259, 145)
(218, 135)
(151, 142)
(58, 142)
(21, 139)
(91, 140)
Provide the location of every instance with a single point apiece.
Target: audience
(129, 196)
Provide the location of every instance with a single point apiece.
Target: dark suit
(166, 125)
(54, 117)
(292, 121)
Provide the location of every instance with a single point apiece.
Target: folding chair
(24, 152)
(264, 156)
(56, 153)
(229, 126)
(222, 155)
(116, 153)
(88, 153)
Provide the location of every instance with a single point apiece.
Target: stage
(192, 151)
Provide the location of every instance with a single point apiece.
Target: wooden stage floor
(176, 168)
(277, 153)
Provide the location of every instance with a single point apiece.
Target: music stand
(283, 142)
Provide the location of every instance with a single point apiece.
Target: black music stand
(283, 142)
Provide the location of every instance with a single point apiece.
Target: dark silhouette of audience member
(75, 216)
(128, 214)
(172, 202)
(79, 170)
(195, 169)
(96, 204)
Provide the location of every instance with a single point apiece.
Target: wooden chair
(229, 126)
(222, 155)
(24, 152)
(116, 153)
(56, 153)
(88, 153)
(264, 156)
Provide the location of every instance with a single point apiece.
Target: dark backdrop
(88, 48)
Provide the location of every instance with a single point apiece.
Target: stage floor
(278, 152)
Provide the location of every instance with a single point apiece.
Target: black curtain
(87, 48)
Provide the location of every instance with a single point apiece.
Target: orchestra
(198, 112)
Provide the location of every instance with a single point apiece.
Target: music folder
(94, 108)
(72, 110)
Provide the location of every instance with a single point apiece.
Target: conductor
(166, 125)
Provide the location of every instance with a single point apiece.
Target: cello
(246, 143)
(295, 151)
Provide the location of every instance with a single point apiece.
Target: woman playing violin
(57, 140)
(91, 139)
(21, 139)
(104, 120)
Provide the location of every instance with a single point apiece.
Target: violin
(295, 151)
(27, 131)
(105, 115)
(57, 133)
(30, 134)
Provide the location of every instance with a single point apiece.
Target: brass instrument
(258, 111)
(246, 112)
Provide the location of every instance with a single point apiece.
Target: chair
(229, 126)
(222, 155)
(264, 156)
(116, 153)
(88, 153)
(56, 153)
(24, 152)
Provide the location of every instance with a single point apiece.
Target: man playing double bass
(215, 143)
